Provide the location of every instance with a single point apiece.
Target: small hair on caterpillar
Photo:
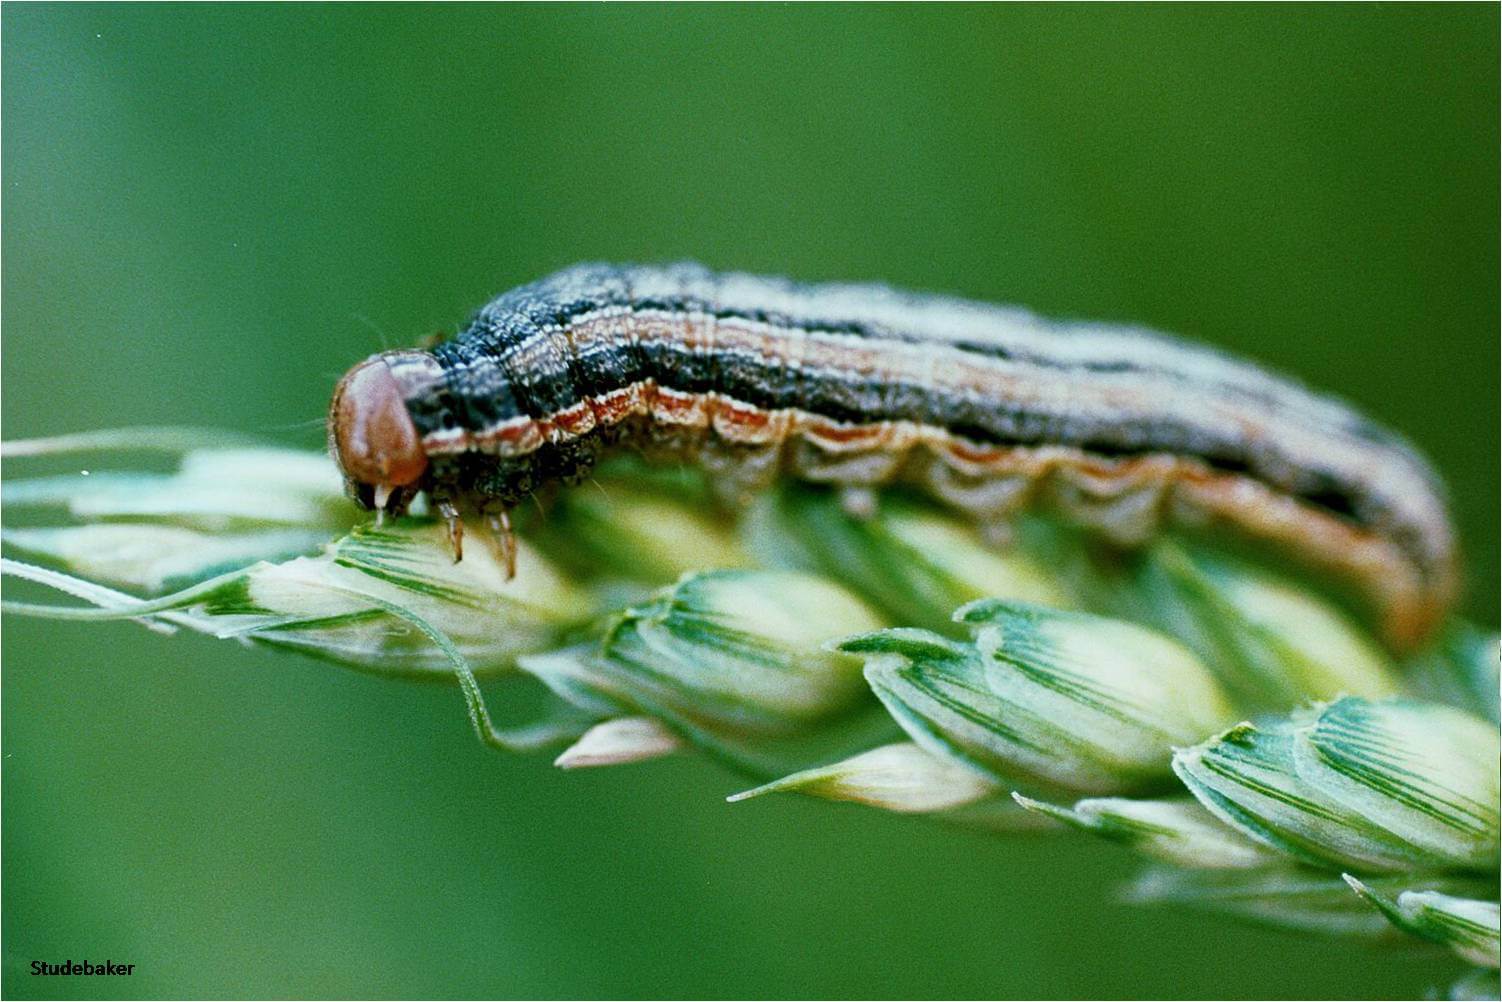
(988, 409)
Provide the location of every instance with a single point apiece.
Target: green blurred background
(210, 212)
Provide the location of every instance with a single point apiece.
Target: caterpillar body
(988, 409)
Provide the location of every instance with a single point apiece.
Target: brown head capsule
(372, 436)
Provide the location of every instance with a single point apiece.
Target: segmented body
(988, 409)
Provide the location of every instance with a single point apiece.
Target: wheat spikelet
(1237, 728)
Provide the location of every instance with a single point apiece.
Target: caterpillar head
(373, 439)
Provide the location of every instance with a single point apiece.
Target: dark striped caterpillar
(986, 408)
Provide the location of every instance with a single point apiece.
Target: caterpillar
(988, 409)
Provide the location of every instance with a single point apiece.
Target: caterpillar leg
(451, 519)
(858, 502)
(503, 540)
